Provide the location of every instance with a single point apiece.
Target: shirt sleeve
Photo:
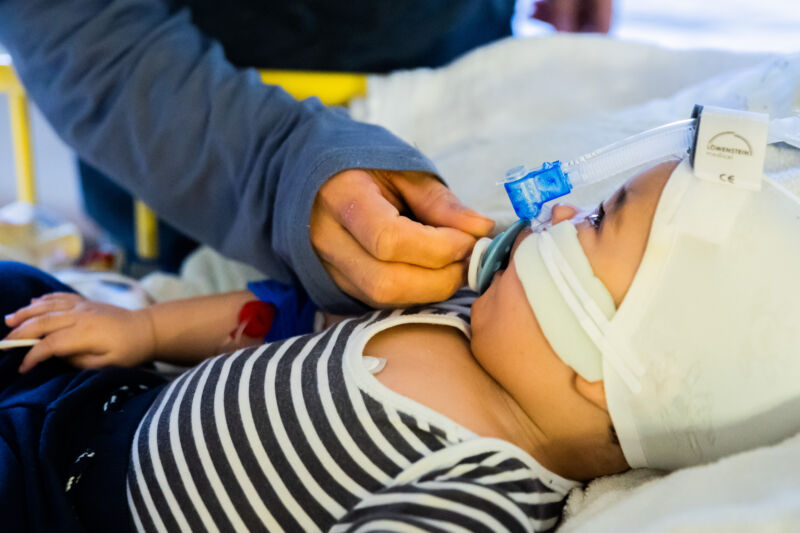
(482, 493)
(140, 93)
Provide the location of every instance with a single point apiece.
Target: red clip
(255, 318)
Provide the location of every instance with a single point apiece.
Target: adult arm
(143, 96)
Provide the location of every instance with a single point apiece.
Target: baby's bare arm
(93, 335)
(188, 331)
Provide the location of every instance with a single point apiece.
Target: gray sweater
(140, 93)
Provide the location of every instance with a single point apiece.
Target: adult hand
(393, 238)
(575, 15)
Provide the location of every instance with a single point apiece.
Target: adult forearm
(142, 95)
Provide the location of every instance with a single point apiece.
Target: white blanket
(529, 101)
(525, 101)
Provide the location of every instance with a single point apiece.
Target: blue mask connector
(529, 190)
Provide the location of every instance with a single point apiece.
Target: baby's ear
(594, 391)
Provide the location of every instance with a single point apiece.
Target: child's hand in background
(89, 334)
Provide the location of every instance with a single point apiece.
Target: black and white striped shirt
(297, 435)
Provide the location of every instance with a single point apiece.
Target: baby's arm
(93, 335)
(188, 331)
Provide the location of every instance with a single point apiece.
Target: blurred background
(740, 25)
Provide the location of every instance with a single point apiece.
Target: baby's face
(506, 338)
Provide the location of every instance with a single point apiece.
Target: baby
(473, 414)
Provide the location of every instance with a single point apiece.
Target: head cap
(712, 317)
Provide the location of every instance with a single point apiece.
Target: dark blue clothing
(65, 434)
(111, 207)
(143, 96)
(359, 35)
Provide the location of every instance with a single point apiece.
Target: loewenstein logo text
(728, 144)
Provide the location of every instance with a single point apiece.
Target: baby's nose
(562, 212)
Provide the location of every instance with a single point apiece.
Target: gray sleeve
(142, 95)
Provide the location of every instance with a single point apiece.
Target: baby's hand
(89, 334)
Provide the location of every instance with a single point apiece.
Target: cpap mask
(531, 190)
(699, 360)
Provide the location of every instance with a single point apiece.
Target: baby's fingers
(60, 343)
(41, 325)
(57, 301)
(90, 361)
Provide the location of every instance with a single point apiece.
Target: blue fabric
(143, 96)
(356, 36)
(65, 434)
(294, 310)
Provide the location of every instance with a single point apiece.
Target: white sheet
(529, 101)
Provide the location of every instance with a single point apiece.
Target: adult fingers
(599, 16)
(358, 205)
(41, 325)
(433, 203)
(59, 301)
(62, 343)
(382, 284)
(398, 284)
(564, 14)
(344, 283)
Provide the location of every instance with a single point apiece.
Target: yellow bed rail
(332, 88)
(20, 132)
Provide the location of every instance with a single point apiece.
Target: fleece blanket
(528, 101)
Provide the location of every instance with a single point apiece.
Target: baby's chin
(480, 313)
(484, 339)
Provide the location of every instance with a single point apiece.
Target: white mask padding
(543, 285)
(712, 316)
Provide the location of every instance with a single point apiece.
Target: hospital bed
(494, 109)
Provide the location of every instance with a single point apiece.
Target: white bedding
(528, 101)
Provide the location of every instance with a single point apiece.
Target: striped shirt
(297, 435)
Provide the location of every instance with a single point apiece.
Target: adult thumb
(434, 204)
